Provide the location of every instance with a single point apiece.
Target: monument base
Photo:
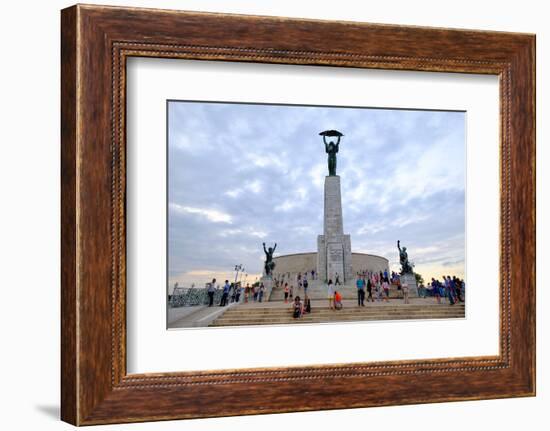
(267, 281)
(410, 280)
(334, 258)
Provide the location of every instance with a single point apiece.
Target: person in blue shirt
(360, 283)
(448, 289)
(225, 293)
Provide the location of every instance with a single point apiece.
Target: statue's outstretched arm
(265, 251)
(326, 145)
(274, 247)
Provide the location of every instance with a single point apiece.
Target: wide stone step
(279, 315)
(341, 313)
(355, 310)
(290, 320)
(342, 318)
(330, 314)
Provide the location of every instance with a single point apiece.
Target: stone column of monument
(333, 247)
(267, 281)
(269, 266)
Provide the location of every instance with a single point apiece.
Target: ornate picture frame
(96, 41)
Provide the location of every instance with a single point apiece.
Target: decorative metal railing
(190, 296)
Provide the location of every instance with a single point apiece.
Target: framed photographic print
(280, 207)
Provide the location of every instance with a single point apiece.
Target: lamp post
(238, 268)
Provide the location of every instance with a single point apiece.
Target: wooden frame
(95, 42)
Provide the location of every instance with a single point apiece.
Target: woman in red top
(337, 300)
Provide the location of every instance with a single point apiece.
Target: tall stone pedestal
(267, 280)
(333, 247)
(410, 279)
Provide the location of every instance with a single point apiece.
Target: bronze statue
(406, 267)
(331, 148)
(269, 264)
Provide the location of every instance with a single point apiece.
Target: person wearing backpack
(305, 285)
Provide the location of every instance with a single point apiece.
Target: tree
(419, 279)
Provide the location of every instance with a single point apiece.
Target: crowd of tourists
(453, 289)
(297, 278)
(372, 286)
(235, 292)
(375, 286)
(299, 307)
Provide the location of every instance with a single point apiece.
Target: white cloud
(286, 206)
(303, 230)
(257, 233)
(317, 174)
(263, 160)
(233, 193)
(397, 221)
(214, 216)
(254, 186)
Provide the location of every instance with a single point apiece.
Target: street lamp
(238, 268)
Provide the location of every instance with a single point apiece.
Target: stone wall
(302, 262)
(368, 262)
(295, 263)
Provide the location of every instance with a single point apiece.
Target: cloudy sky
(242, 174)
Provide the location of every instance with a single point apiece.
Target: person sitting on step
(338, 300)
(297, 308)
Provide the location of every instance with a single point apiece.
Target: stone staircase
(265, 315)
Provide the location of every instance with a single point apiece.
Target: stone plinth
(410, 279)
(333, 247)
(267, 280)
